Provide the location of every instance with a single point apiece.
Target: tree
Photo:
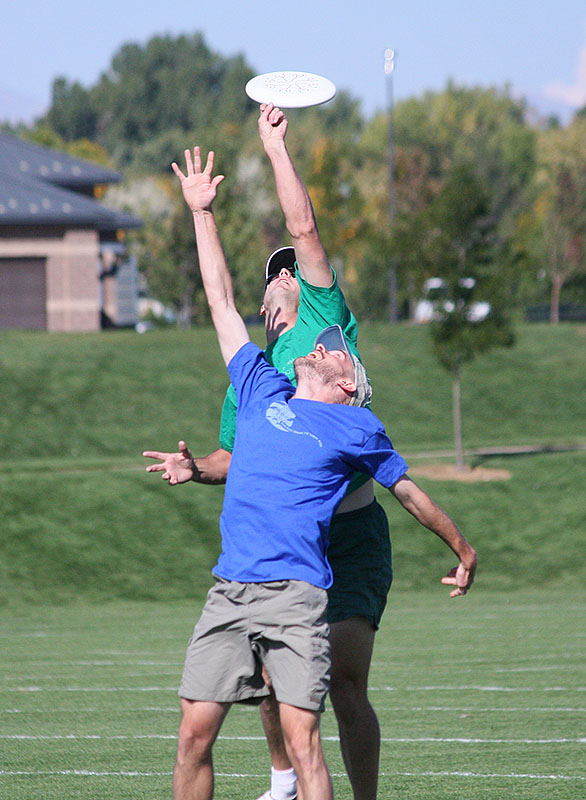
(79, 148)
(433, 135)
(169, 84)
(71, 114)
(165, 246)
(461, 248)
(155, 99)
(561, 206)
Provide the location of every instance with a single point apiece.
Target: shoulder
(248, 361)
(249, 353)
(322, 306)
(249, 371)
(309, 289)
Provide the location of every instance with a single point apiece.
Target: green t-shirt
(318, 308)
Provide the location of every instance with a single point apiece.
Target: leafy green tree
(561, 206)
(461, 247)
(79, 148)
(174, 91)
(72, 114)
(171, 84)
(456, 341)
(433, 135)
(165, 246)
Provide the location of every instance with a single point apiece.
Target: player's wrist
(194, 470)
(275, 148)
(469, 558)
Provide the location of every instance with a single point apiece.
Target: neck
(316, 390)
(278, 322)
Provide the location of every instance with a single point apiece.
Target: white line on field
(141, 675)
(370, 689)
(477, 689)
(85, 736)
(450, 709)
(394, 740)
(544, 668)
(84, 773)
(93, 774)
(124, 663)
(107, 663)
(485, 775)
(459, 740)
(89, 689)
(498, 710)
(482, 662)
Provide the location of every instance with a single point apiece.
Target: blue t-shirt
(291, 464)
(319, 307)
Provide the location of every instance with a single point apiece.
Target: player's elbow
(222, 307)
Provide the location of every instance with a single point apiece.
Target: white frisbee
(290, 89)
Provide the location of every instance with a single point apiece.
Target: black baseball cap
(284, 257)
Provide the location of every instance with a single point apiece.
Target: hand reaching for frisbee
(199, 188)
(176, 467)
(272, 124)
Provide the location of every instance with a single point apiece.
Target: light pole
(389, 70)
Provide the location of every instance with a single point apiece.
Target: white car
(435, 301)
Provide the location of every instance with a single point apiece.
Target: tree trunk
(185, 312)
(412, 292)
(393, 304)
(457, 418)
(556, 289)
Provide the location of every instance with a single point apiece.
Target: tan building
(62, 262)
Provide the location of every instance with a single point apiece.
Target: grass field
(479, 698)
(81, 518)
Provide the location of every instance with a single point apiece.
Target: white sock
(283, 784)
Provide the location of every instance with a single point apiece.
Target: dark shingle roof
(51, 166)
(26, 201)
(37, 187)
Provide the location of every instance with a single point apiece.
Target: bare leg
(301, 734)
(269, 714)
(193, 778)
(352, 641)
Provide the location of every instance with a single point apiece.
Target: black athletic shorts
(359, 552)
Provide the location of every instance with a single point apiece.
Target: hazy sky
(538, 47)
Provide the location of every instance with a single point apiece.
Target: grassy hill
(81, 518)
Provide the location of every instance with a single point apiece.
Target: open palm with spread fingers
(176, 467)
(199, 188)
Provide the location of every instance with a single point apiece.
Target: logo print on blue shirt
(281, 417)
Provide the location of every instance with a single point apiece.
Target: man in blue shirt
(302, 296)
(294, 454)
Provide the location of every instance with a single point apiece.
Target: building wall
(72, 284)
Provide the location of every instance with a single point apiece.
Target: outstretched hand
(199, 188)
(176, 467)
(461, 577)
(272, 124)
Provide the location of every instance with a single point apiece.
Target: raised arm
(199, 191)
(294, 199)
(431, 516)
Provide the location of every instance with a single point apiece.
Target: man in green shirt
(301, 298)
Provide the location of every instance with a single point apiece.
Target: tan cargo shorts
(280, 625)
